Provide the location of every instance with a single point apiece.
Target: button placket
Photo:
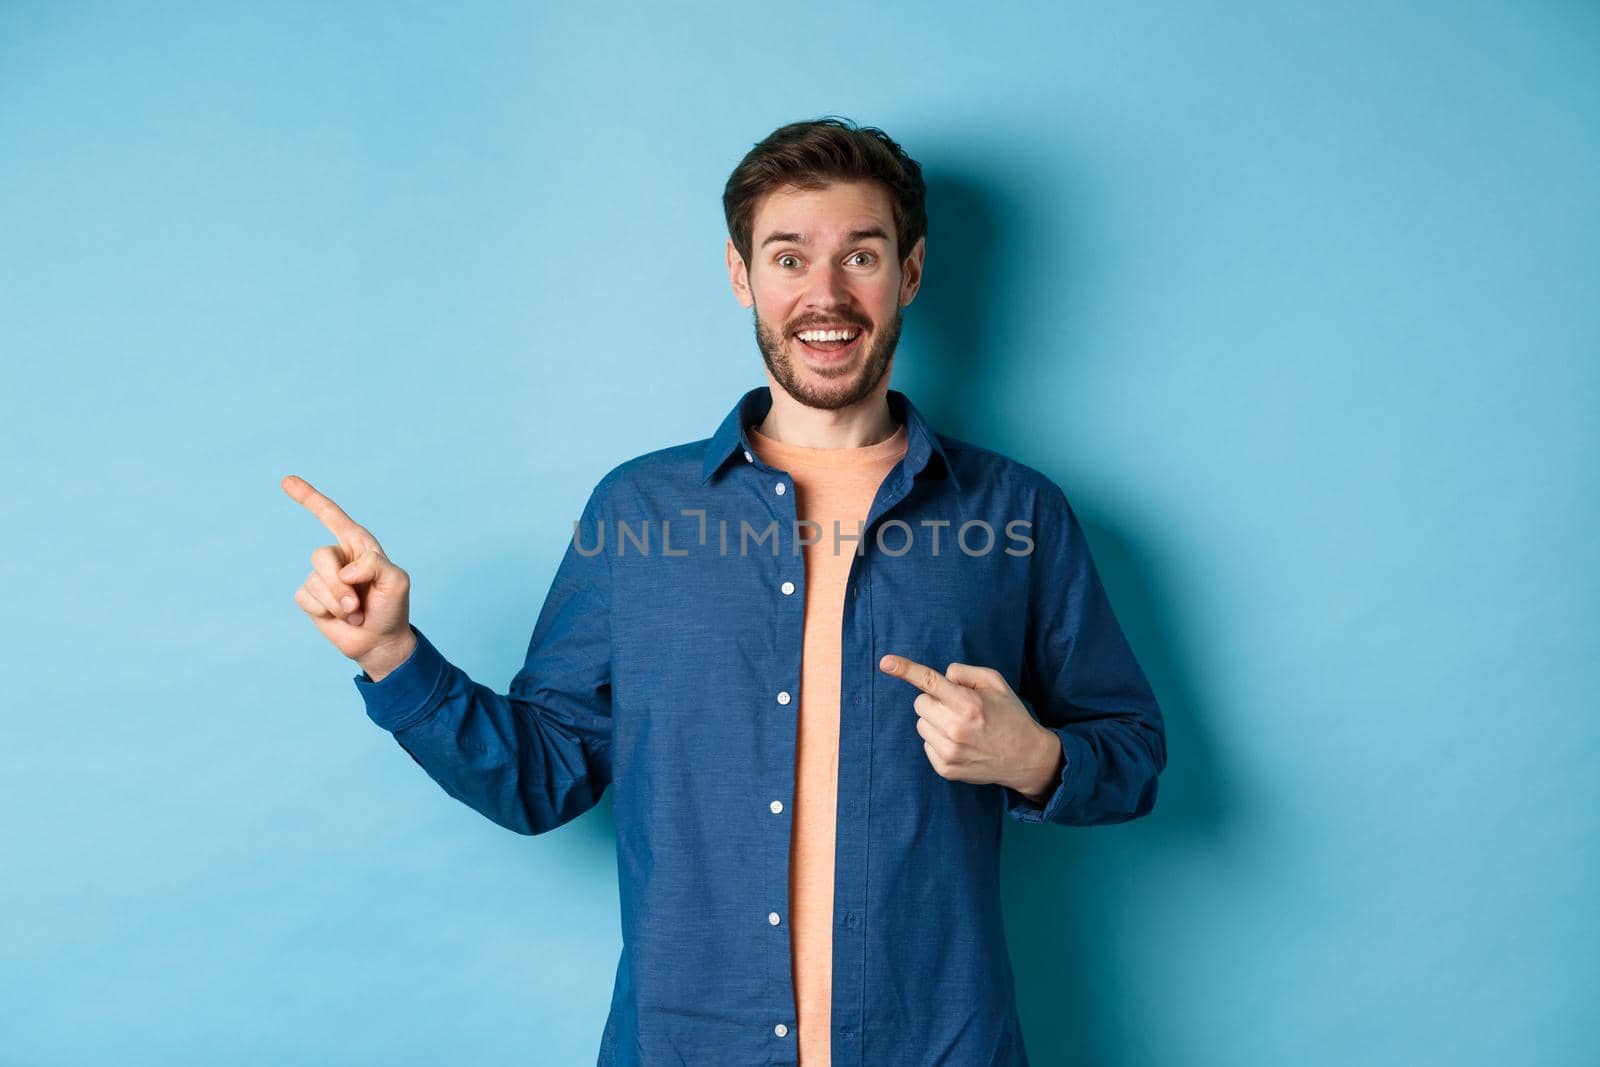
(787, 588)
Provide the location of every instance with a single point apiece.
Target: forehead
(824, 213)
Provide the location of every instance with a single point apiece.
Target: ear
(738, 276)
(911, 271)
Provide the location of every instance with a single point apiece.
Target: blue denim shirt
(666, 663)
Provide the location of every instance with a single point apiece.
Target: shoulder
(663, 476)
(991, 474)
(674, 463)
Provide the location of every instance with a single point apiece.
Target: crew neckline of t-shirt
(781, 453)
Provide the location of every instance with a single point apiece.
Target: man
(803, 651)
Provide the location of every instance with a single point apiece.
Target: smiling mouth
(831, 351)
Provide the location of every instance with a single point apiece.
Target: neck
(866, 422)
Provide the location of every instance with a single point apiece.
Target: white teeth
(826, 335)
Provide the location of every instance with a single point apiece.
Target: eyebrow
(790, 237)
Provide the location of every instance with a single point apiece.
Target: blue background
(1297, 302)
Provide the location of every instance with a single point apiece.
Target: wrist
(385, 657)
(1046, 769)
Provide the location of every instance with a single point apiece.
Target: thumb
(364, 568)
(977, 677)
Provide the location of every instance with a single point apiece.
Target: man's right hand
(354, 595)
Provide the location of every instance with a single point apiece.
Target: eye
(869, 255)
(787, 255)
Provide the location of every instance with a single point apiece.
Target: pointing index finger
(350, 533)
(923, 677)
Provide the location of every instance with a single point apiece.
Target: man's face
(826, 258)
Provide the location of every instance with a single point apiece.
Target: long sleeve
(540, 755)
(1081, 679)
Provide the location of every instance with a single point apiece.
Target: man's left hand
(975, 729)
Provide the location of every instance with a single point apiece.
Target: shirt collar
(922, 443)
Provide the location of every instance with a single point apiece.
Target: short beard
(775, 353)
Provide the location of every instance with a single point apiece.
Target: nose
(829, 289)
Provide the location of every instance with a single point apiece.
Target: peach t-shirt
(829, 484)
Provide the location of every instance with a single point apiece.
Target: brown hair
(815, 153)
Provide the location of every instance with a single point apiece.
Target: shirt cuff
(1024, 810)
(410, 692)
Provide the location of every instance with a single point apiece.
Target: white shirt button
(779, 489)
(772, 917)
(783, 697)
(748, 458)
(780, 1030)
(776, 806)
(788, 588)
